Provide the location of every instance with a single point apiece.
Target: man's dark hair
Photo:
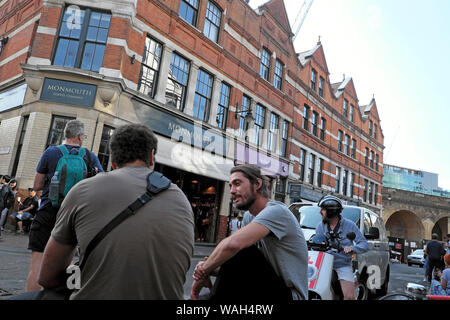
(132, 142)
(434, 236)
(252, 173)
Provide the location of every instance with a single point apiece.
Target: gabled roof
(277, 9)
(345, 85)
(371, 108)
(319, 56)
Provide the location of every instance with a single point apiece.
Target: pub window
(278, 74)
(243, 124)
(354, 148)
(273, 132)
(375, 131)
(56, 134)
(82, 39)
(321, 84)
(212, 22)
(377, 160)
(345, 108)
(313, 79)
(177, 81)
(259, 123)
(302, 164)
(366, 157)
(366, 189)
(371, 159)
(323, 124)
(312, 163)
(345, 183)
(265, 64)
(305, 117)
(222, 107)
(284, 138)
(338, 179)
(19, 146)
(203, 92)
(320, 173)
(314, 122)
(352, 181)
(370, 127)
(352, 110)
(347, 145)
(340, 134)
(150, 67)
(189, 11)
(103, 151)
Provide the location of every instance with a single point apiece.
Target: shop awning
(185, 157)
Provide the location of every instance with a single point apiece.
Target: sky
(399, 52)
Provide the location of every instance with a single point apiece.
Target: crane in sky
(306, 5)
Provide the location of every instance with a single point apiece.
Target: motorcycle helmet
(332, 205)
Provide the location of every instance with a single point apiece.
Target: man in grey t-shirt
(270, 225)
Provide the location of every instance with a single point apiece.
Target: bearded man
(267, 258)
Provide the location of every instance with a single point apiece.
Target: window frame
(306, 110)
(259, 124)
(243, 124)
(313, 82)
(278, 74)
(320, 173)
(314, 123)
(284, 138)
(338, 180)
(49, 136)
(345, 108)
(321, 85)
(203, 96)
(273, 131)
(176, 81)
(190, 6)
(340, 136)
(323, 123)
(347, 145)
(311, 168)
(211, 23)
(354, 148)
(106, 155)
(264, 70)
(145, 65)
(82, 39)
(222, 119)
(302, 163)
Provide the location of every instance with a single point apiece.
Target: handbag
(156, 183)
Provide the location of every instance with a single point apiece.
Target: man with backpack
(134, 228)
(59, 169)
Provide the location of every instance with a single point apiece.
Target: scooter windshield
(310, 216)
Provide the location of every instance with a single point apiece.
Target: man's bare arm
(39, 181)
(56, 259)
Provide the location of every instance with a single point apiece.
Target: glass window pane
(105, 21)
(71, 54)
(95, 19)
(92, 34)
(102, 35)
(88, 56)
(61, 52)
(98, 57)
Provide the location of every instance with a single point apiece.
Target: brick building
(219, 83)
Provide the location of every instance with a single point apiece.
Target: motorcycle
(322, 279)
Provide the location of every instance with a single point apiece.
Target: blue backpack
(70, 169)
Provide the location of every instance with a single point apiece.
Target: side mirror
(373, 234)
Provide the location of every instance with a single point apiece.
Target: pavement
(15, 262)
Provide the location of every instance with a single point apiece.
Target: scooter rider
(335, 228)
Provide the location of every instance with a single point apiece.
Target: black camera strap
(156, 183)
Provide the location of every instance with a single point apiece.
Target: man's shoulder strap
(156, 183)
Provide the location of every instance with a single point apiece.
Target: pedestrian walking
(435, 252)
(270, 246)
(8, 196)
(144, 256)
(46, 170)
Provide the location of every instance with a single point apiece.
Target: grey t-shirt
(147, 256)
(285, 247)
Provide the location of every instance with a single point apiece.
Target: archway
(406, 225)
(441, 229)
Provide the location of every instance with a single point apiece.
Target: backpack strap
(156, 183)
(64, 150)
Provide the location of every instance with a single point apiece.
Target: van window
(378, 223)
(367, 222)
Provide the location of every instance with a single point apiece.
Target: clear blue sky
(399, 51)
